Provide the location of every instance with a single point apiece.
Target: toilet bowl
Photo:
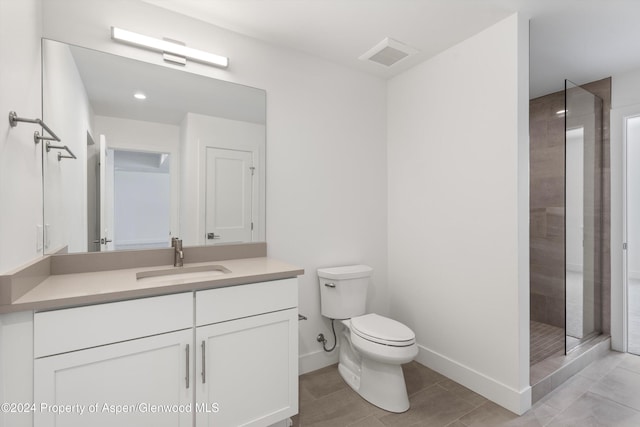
(383, 339)
(372, 347)
(371, 356)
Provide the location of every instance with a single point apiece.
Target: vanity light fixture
(170, 48)
(140, 96)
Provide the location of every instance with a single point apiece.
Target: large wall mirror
(160, 153)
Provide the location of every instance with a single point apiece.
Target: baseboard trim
(515, 401)
(313, 361)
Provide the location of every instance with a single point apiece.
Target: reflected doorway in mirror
(230, 195)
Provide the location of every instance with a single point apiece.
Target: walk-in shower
(566, 199)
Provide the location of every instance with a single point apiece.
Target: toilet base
(381, 384)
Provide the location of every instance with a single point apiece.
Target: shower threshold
(551, 372)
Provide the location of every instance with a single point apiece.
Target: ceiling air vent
(388, 52)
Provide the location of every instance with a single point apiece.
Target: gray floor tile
(601, 367)
(594, 410)
(370, 421)
(621, 386)
(488, 415)
(630, 362)
(562, 397)
(322, 382)
(418, 377)
(539, 415)
(433, 406)
(341, 408)
(604, 394)
(462, 392)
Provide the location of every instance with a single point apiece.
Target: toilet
(372, 347)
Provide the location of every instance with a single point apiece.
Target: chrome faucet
(178, 255)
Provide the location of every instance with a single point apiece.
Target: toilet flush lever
(330, 285)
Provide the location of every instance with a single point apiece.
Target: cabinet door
(118, 384)
(247, 370)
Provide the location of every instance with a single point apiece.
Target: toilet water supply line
(323, 340)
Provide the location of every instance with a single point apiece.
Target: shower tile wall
(547, 207)
(602, 88)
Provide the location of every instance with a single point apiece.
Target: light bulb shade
(166, 46)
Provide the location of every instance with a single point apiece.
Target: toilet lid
(382, 330)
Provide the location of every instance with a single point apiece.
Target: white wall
(326, 143)
(199, 132)
(65, 196)
(625, 102)
(458, 211)
(137, 135)
(20, 158)
(633, 199)
(20, 182)
(327, 180)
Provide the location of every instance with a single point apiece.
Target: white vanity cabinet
(123, 363)
(247, 347)
(220, 357)
(120, 384)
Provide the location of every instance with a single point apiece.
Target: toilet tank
(343, 290)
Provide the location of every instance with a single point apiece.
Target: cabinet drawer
(235, 302)
(72, 329)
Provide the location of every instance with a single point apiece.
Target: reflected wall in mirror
(583, 207)
(188, 160)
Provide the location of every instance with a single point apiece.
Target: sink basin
(183, 273)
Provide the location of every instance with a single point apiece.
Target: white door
(115, 385)
(106, 196)
(229, 195)
(247, 371)
(632, 226)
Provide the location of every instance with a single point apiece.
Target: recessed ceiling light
(139, 95)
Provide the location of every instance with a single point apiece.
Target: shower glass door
(583, 199)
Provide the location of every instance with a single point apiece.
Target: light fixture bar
(166, 46)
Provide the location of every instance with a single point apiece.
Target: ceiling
(582, 40)
(111, 81)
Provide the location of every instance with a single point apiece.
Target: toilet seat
(382, 330)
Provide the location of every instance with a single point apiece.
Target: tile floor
(605, 393)
(544, 341)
